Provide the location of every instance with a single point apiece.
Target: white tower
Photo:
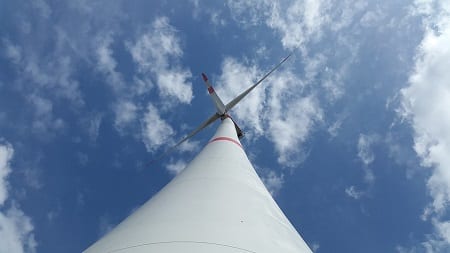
(216, 204)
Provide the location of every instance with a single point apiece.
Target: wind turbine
(216, 204)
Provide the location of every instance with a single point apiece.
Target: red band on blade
(205, 78)
(226, 139)
(210, 90)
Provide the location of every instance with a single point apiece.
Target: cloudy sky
(351, 135)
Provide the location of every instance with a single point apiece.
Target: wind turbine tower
(216, 204)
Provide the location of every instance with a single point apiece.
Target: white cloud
(142, 86)
(426, 106)
(126, 113)
(315, 247)
(235, 78)
(352, 192)
(372, 18)
(189, 146)
(332, 81)
(249, 13)
(273, 181)
(157, 52)
(298, 22)
(82, 158)
(80, 199)
(54, 75)
(13, 52)
(365, 152)
(16, 233)
(42, 7)
(105, 225)
(91, 123)
(44, 121)
(344, 13)
(314, 65)
(334, 128)
(6, 154)
(94, 126)
(175, 167)
(426, 103)
(16, 228)
(173, 83)
(32, 177)
(54, 213)
(290, 124)
(44, 77)
(106, 62)
(155, 131)
(443, 230)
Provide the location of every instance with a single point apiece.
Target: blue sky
(351, 135)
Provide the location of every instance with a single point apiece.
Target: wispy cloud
(312, 14)
(273, 181)
(12, 52)
(175, 167)
(6, 154)
(156, 53)
(44, 122)
(105, 224)
(352, 192)
(372, 18)
(93, 126)
(16, 233)
(42, 7)
(155, 131)
(106, 62)
(315, 247)
(297, 22)
(334, 128)
(291, 124)
(367, 155)
(365, 152)
(235, 78)
(126, 113)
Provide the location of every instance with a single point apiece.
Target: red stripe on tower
(222, 138)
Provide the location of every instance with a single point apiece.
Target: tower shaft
(216, 204)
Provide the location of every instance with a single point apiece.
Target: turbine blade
(220, 107)
(198, 129)
(243, 94)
